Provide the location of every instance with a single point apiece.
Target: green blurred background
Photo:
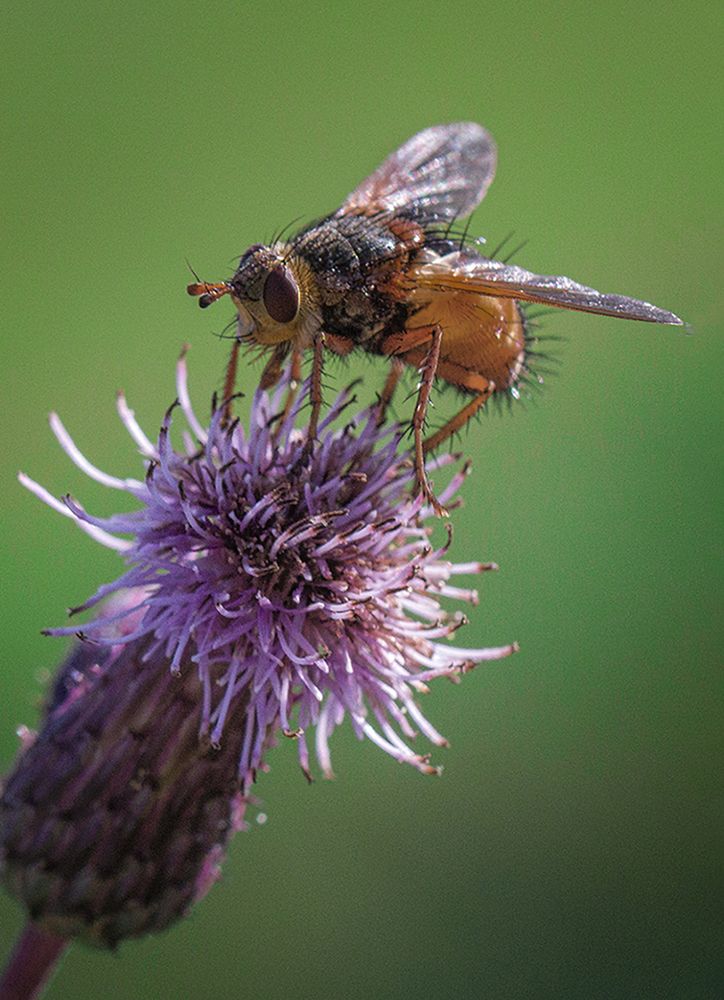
(569, 850)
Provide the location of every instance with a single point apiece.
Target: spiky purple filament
(308, 584)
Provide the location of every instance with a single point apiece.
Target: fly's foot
(422, 486)
(305, 454)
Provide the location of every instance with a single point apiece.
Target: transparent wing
(463, 271)
(442, 172)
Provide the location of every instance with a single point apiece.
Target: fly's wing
(441, 173)
(466, 272)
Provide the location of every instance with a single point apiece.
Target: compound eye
(281, 295)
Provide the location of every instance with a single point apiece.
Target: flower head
(303, 584)
(269, 587)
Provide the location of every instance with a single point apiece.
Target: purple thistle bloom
(267, 589)
(312, 589)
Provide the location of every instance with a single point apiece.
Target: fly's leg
(315, 397)
(315, 390)
(421, 346)
(388, 390)
(269, 377)
(230, 381)
(295, 378)
(273, 368)
(467, 380)
(272, 373)
(406, 346)
(397, 345)
(428, 370)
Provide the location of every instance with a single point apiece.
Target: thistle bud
(116, 816)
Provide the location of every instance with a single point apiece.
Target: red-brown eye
(281, 295)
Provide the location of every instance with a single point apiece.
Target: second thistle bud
(116, 816)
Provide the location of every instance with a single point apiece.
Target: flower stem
(31, 963)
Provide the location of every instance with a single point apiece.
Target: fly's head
(274, 293)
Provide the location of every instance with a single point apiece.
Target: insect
(385, 275)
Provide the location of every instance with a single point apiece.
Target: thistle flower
(267, 590)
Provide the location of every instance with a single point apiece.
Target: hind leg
(419, 346)
(469, 381)
(428, 370)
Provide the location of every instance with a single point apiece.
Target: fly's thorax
(356, 262)
(276, 296)
(346, 253)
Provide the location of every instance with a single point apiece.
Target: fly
(384, 275)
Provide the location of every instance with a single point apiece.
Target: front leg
(269, 377)
(295, 377)
(230, 382)
(273, 368)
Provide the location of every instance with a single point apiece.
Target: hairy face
(268, 294)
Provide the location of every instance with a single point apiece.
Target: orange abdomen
(481, 334)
